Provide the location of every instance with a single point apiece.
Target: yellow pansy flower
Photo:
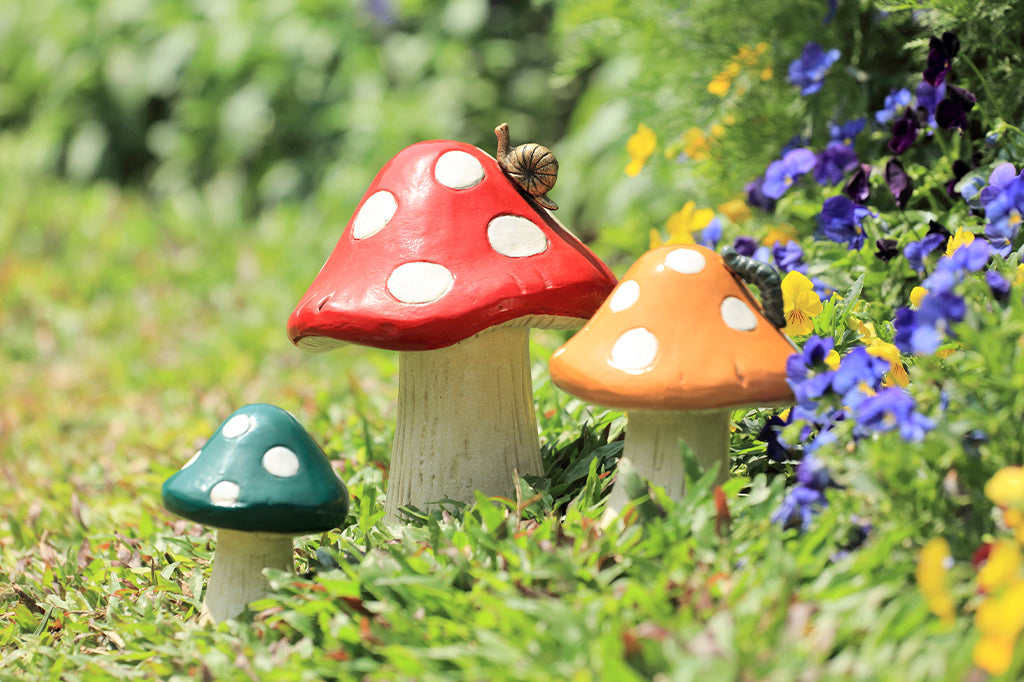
(932, 578)
(960, 238)
(917, 294)
(1002, 567)
(767, 73)
(696, 144)
(800, 304)
(683, 223)
(655, 239)
(1006, 487)
(640, 146)
(719, 85)
(897, 373)
(735, 210)
(833, 359)
(1019, 279)
(993, 654)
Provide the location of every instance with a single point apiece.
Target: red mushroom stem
(465, 422)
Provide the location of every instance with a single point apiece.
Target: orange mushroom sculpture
(679, 344)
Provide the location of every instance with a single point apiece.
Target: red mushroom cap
(442, 247)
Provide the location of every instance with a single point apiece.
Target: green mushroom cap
(259, 472)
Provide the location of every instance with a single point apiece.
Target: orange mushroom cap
(680, 332)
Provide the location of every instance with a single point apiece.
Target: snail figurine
(764, 277)
(532, 167)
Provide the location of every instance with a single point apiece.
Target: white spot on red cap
(738, 315)
(516, 237)
(374, 215)
(280, 461)
(238, 425)
(420, 282)
(225, 493)
(685, 261)
(458, 170)
(634, 351)
(624, 296)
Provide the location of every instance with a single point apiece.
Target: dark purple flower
(781, 174)
(840, 220)
(893, 408)
(887, 249)
(904, 132)
(998, 285)
(940, 57)
(938, 228)
(756, 196)
(812, 473)
(745, 246)
(799, 507)
(894, 102)
(789, 256)
(858, 187)
(960, 169)
(916, 252)
(833, 5)
(833, 162)
(776, 450)
(808, 72)
(952, 111)
(900, 184)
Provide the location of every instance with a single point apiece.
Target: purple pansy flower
(1004, 214)
(781, 174)
(904, 131)
(859, 375)
(887, 249)
(916, 252)
(789, 256)
(998, 285)
(900, 184)
(711, 234)
(840, 220)
(928, 98)
(951, 112)
(847, 132)
(833, 162)
(756, 196)
(940, 57)
(806, 372)
(808, 72)
(1000, 178)
(893, 408)
(858, 187)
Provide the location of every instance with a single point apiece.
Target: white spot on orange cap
(685, 261)
(375, 213)
(738, 315)
(420, 282)
(237, 426)
(516, 237)
(225, 493)
(458, 170)
(280, 461)
(634, 351)
(624, 296)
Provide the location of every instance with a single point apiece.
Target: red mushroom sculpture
(449, 262)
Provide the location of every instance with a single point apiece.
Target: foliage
(223, 145)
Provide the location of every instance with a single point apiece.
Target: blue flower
(840, 220)
(789, 256)
(859, 375)
(1004, 214)
(781, 174)
(711, 234)
(998, 180)
(895, 101)
(833, 162)
(745, 245)
(799, 507)
(998, 285)
(922, 331)
(915, 252)
(893, 408)
(847, 132)
(968, 258)
(928, 98)
(806, 371)
(833, 5)
(812, 473)
(756, 196)
(808, 72)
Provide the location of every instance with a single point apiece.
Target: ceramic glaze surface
(260, 471)
(681, 332)
(507, 258)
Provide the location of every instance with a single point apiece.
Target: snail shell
(531, 166)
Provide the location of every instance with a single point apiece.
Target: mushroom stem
(237, 576)
(652, 445)
(465, 421)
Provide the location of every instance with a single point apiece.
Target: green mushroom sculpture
(260, 480)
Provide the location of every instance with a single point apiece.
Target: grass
(128, 331)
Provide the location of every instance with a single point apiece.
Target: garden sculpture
(533, 167)
(450, 262)
(260, 480)
(679, 344)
